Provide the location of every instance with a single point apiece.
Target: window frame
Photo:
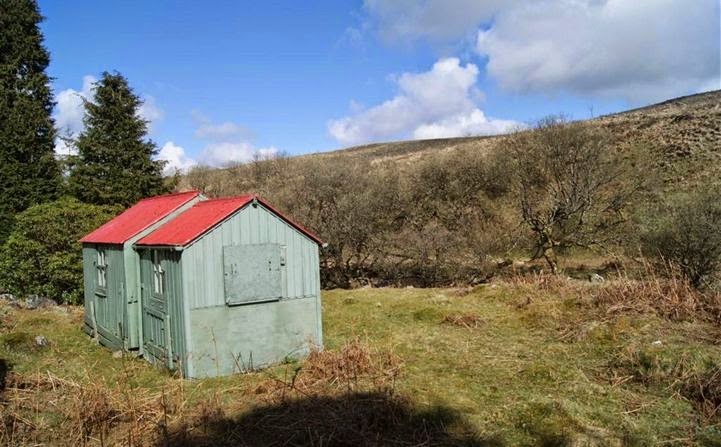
(101, 271)
(156, 262)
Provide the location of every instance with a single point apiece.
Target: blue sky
(225, 79)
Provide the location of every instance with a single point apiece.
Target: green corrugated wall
(125, 259)
(207, 337)
(109, 306)
(174, 308)
(223, 339)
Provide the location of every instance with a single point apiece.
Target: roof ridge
(218, 199)
(162, 196)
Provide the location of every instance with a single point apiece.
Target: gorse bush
(42, 255)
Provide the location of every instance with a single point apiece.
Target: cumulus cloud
(177, 161)
(226, 143)
(473, 123)
(229, 153)
(435, 20)
(69, 112)
(439, 102)
(639, 50)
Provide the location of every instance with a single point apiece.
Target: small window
(102, 269)
(158, 274)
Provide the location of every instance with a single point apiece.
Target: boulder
(41, 342)
(38, 302)
(596, 278)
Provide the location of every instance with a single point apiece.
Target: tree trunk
(550, 256)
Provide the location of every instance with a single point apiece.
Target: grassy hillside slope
(678, 128)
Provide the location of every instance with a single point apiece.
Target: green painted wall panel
(126, 285)
(217, 333)
(172, 312)
(228, 340)
(108, 304)
(203, 260)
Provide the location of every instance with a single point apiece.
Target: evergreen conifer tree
(115, 162)
(29, 173)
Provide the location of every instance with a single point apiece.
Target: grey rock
(596, 278)
(117, 354)
(8, 297)
(38, 302)
(41, 341)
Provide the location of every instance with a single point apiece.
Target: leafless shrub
(572, 186)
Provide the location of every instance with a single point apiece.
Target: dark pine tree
(29, 173)
(115, 162)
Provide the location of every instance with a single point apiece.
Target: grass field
(538, 361)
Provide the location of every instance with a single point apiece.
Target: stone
(117, 354)
(41, 341)
(38, 302)
(596, 278)
(8, 297)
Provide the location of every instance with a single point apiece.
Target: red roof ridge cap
(163, 196)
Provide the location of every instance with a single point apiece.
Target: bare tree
(572, 186)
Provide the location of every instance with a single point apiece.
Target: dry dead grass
(466, 320)
(354, 367)
(33, 407)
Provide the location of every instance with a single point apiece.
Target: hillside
(685, 128)
(438, 212)
(680, 127)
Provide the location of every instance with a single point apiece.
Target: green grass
(552, 371)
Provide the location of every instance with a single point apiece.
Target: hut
(229, 285)
(111, 268)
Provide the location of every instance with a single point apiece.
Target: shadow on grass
(356, 419)
(4, 370)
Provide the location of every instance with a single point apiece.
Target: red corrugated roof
(204, 215)
(138, 217)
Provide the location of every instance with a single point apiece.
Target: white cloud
(437, 102)
(639, 50)
(177, 160)
(150, 111)
(69, 112)
(229, 153)
(435, 20)
(227, 143)
(464, 124)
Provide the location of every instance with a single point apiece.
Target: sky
(226, 81)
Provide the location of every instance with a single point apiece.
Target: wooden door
(156, 331)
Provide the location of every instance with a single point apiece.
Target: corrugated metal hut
(229, 285)
(111, 268)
